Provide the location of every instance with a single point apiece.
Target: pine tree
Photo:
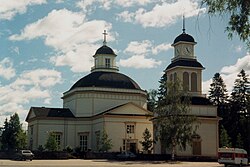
(13, 137)
(147, 142)
(105, 142)
(239, 114)
(162, 91)
(224, 138)
(151, 99)
(239, 142)
(51, 144)
(174, 124)
(218, 92)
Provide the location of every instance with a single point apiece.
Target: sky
(48, 45)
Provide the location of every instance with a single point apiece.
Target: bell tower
(184, 64)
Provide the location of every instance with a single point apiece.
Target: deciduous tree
(239, 16)
(172, 118)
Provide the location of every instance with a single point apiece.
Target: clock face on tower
(187, 50)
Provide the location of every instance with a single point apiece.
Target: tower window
(185, 81)
(107, 62)
(194, 82)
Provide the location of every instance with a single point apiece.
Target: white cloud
(139, 62)
(163, 14)
(229, 73)
(138, 53)
(29, 86)
(9, 8)
(70, 34)
(6, 69)
(161, 47)
(88, 5)
(138, 48)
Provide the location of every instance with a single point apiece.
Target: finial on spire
(183, 24)
(105, 34)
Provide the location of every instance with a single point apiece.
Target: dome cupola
(105, 58)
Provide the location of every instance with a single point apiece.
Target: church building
(102, 100)
(185, 67)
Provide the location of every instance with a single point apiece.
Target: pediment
(129, 109)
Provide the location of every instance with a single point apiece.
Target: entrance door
(132, 147)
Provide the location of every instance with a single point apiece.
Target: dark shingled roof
(185, 63)
(41, 112)
(196, 100)
(106, 80)
(184, 37)
(105, 50)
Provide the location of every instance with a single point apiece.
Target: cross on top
(105, 34)
(183, 24)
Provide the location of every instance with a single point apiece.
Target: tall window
(194, 82)
(83, 142)
(97, 139)
(107, 62)
(175, 77)
(185, 81)
(130, 128)
(58, 139)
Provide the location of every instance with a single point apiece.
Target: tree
(151, 99)
(147, 141)
(172, 118)
(218, 92)
(51, 144)
(239, 142)
(239, 115)
(105, 142)
(224, 138)
(13, 137)
(239, 12)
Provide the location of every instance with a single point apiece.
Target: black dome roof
(105, 50)
(185, 63)
(106, 80)
(184, 37)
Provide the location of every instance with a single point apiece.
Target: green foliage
(239, 16)
(151, 99)
(147, 142)
(51, 144)
(239, 142)
(40, 148)
(224, 138)
(239, 113)
(69, 149)
(105, 142)
(13, 137)
(173, 120)
(218, 92)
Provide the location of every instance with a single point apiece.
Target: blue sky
(47, 45)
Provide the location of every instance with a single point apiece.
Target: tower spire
(104, 40)
(183, 24)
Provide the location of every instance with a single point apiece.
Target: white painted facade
(188, 70)
(91, 109)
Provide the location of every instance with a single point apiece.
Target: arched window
(175, 77)
(171, 77)
(194, 82)
(185, 81)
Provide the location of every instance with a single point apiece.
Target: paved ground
(103, 163)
